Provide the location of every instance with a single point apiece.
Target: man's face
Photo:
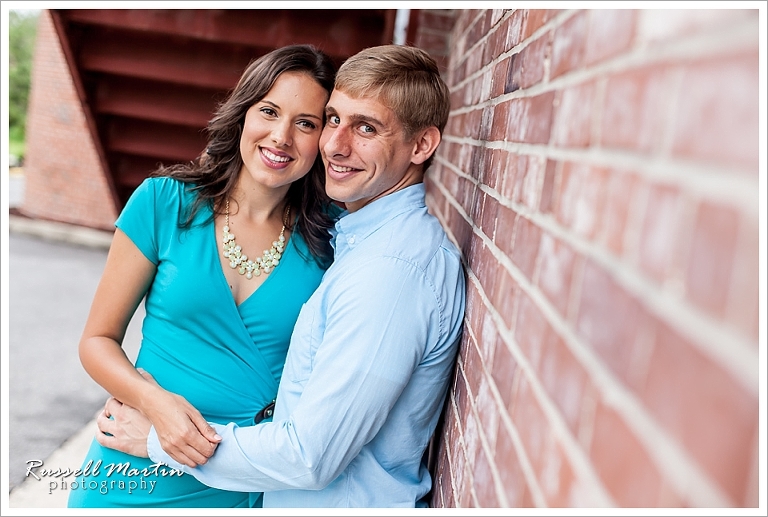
(365, 151)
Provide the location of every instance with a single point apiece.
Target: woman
(219, 310)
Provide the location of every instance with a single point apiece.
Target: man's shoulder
(420, 236)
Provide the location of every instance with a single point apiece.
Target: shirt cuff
(158, 455)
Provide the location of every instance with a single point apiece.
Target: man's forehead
(339, 98)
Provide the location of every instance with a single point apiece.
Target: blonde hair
(405, 79)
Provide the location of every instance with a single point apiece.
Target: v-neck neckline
(223, 276)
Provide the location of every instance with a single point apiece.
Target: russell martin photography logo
(119, 476)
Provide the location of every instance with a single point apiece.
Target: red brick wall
(600, 174)
(64, 179)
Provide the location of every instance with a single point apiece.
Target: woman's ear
(425, 143)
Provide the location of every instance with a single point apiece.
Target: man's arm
(375, 336)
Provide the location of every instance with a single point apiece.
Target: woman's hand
(183, 432)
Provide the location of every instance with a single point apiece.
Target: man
(373, 349)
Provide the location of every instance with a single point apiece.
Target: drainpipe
(401, 26)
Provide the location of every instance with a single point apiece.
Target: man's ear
(425, 144)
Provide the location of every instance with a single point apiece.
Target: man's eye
(333, 119)
(365, 128)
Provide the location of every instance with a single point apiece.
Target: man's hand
(128, 428)
(182, 431)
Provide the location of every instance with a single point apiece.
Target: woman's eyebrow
(310, 115)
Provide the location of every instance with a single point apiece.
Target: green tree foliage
(22, 29)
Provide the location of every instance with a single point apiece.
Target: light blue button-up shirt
(368, 367)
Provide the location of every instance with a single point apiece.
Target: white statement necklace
(238, 260)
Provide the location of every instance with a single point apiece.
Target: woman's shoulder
(166, 186)
(167, 192)
(334, 211)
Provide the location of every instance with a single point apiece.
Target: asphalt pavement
(53, 273)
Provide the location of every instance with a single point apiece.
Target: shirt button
(351, 240)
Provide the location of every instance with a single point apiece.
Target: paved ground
(53, 272)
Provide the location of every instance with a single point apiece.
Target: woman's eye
(307, 124)
(268, 111)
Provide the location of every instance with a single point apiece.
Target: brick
(621, 461)
(489, 216)
(510, 472)
(608, 320)
(515, 28)
(517, 117)
(484, 267)
(511, 81)
(517, 165)
(503, 373)
(539, 115)
(556, 476)
(437, 20)
(500, 113)
(564, 379)
(496, 168)
(611, 32)
(527, 68)
(530, 188)
(532, 424)
(717, 112)
(504, 292)
(661, 231)
(621, 190)
(548, 187)
(435, 43)
(635, 109)
(483, 482)
(526, 247)
(460, 229)
(496, 44)
(487, 408)
(710, 263)
(744, 297)
(581, 198)
(472, 444)
(56, 179)
(459, 475)
(569, 45)
(556, 271)
(531, 331)
(573, 116)
(499, 82)
(460, 395)
(536, 19)
(486, 119)
(505, 228)
(657, 26)
(710, 413)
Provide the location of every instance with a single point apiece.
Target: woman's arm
(126, 278)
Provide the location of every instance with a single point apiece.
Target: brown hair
(216, 172)
(405, 79)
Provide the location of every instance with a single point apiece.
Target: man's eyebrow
(357, 117)
(309, 115)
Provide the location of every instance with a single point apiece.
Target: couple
(371, 298)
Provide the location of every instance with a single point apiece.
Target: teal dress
(225, 359)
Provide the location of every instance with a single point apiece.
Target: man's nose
(335, 141)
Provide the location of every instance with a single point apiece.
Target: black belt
(264, 413)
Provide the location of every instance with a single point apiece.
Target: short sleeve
(137, 220)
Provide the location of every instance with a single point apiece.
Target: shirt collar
(353, 227)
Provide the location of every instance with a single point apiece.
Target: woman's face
(280, 136)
